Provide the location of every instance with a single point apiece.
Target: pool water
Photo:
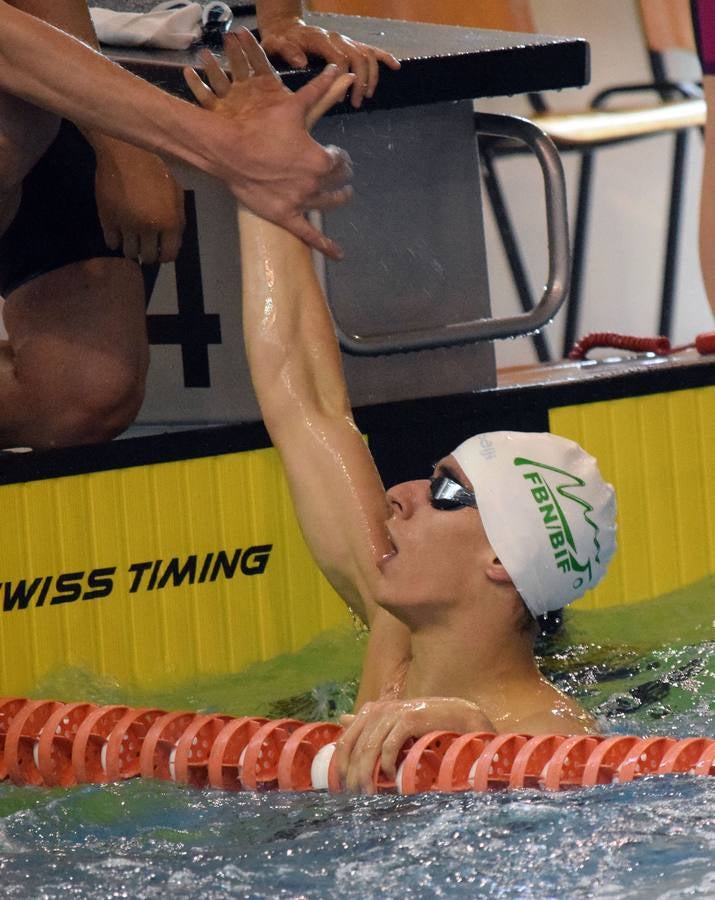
(651, 838)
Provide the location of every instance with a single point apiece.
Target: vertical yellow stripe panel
(205, 571)
(705, 444)
(166, 549)
(659, 453)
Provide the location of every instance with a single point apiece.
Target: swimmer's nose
(406, 498)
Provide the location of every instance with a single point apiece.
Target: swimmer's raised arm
(297, 375)
(266, 157)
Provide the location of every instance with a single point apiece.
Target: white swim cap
(547, 512)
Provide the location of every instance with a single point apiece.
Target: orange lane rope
(46, 742)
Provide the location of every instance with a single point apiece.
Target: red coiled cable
(660, 346)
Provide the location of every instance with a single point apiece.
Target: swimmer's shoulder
(535, 706)
(555, 713)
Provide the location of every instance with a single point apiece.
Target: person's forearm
(50, 69)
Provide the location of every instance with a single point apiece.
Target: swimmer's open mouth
(385, 560)
(388, 556)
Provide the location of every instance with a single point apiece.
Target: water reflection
(146, 839)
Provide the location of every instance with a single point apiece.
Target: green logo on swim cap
(554, 518)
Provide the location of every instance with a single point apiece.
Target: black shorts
(57, 222)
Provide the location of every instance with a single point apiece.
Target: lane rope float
(54, 744)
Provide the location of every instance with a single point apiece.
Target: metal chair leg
(578, 266)
(511, 248)
(672, 243)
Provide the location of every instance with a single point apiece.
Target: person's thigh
(79, 346)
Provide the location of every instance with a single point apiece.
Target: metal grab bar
(468, 332)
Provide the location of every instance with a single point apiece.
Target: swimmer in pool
(449, 572)
(79, 211)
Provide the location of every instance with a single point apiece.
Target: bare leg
(74, 367)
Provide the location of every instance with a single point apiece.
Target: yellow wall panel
(180, 600)
(659, 452)
(126, 528)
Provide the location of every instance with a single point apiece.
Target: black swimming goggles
(445, 493)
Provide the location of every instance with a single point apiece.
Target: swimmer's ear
(496, 572)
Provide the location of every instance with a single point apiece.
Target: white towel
(169, 29)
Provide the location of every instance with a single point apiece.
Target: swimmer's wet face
(439, 556)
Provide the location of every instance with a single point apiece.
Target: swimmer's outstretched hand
(382, 727)
(283, 183)
(289, 37)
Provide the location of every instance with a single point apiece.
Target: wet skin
(436, 550)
